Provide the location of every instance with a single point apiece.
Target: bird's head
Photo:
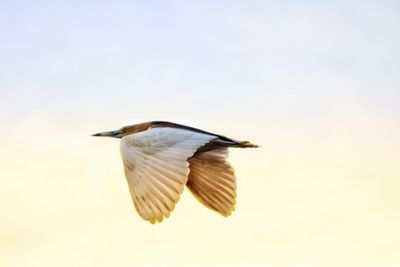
(126, 130)
(117, 133)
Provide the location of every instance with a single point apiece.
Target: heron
(161, 157)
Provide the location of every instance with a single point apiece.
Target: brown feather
(212, 180)
(131, 129)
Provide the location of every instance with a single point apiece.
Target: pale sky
(317, 85)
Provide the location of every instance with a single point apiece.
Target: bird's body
(160, 158)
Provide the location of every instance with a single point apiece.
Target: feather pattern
(212, 180)
(156, 167)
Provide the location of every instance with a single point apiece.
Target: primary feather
(156, 168)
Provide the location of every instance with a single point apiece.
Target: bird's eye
(123, 130)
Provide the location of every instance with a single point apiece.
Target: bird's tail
(246, 144)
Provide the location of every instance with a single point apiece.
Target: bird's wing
(212, 180)
(156, 167)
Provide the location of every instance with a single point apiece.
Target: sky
(316, 84)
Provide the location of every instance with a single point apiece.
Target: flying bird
(161, 157)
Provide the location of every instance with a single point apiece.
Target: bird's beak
(116, 134)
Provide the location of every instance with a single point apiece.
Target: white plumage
(157, 169)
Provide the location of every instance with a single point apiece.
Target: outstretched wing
(156, 167)
(212, 180)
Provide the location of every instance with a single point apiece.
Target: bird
(160, 158)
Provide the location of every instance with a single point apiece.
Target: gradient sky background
(316, 84)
